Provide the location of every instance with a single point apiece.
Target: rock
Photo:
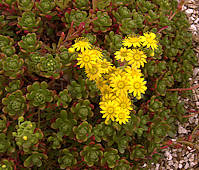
(193, 27)
(189, 11)
(186, 166)
(180, 166)
(181, 129)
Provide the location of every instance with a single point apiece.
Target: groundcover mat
(92, 84)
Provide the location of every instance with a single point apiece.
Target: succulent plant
(92, 154)
(3, 123)
(138, 152)
(77, 89)
(76, 16)
(28, 21)
(82, 4)
(122, 141)
(32, 61)
(49, 66)
(102, 23)
(67, 159)
(62, 3)
(26, 5)
(110, 157)
(27, 135)
(29, 43)
(63, 99)
(83, 131)
(46, 6)
(55, 141)
(122, 164)
(15, 104)
(8, 50)
(35, 159)
(82, 110)
(65, 57)
(13, 66)
(7, 164)
(13, 86)
(4, 143)
(65, 124)
(5, 41)
(113, 41)
(39, 95)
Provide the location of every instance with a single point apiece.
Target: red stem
(184, 89)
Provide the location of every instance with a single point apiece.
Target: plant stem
(193, 145)
(94, 2)
(184, 89)
(193, 132)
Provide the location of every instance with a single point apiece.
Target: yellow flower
(123, 54)
(124, 102)
(105, 89)
(71, 50)
(82, 44)
(25, 138)
(122, 116)
(133, 71)
(85, 59)
(109, 110)
(100, 82)
(118, 71)
(108, 97)
(132, 40)
(138, 87)
(4, 166)
(97, 52)
(105, 66)
(120, 85)
(94, 71)
(137, 59)
(149, 40)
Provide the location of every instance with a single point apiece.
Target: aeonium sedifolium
(115, 83)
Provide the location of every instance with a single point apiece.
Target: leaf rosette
(15, 104)
(49, 66)
(38, 95)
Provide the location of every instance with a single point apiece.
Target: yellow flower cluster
(115, 83)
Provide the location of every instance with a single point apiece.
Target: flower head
(132, 40)
(105, 66)
(82, 44)
(137, 59)
(120, 85)
(109, 110)
(108, 97)
(94, 71)
(97, 52)
(133, 71)
(123, 54)
(124, 102)
(85, 59)
(105, 89)
(122, 116)
(149, 40)
(25, 138)
(138, 86)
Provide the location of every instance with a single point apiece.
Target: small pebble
(181, 129)
(186, 166)
(193, 27)
(189, 11)
(180, 166)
